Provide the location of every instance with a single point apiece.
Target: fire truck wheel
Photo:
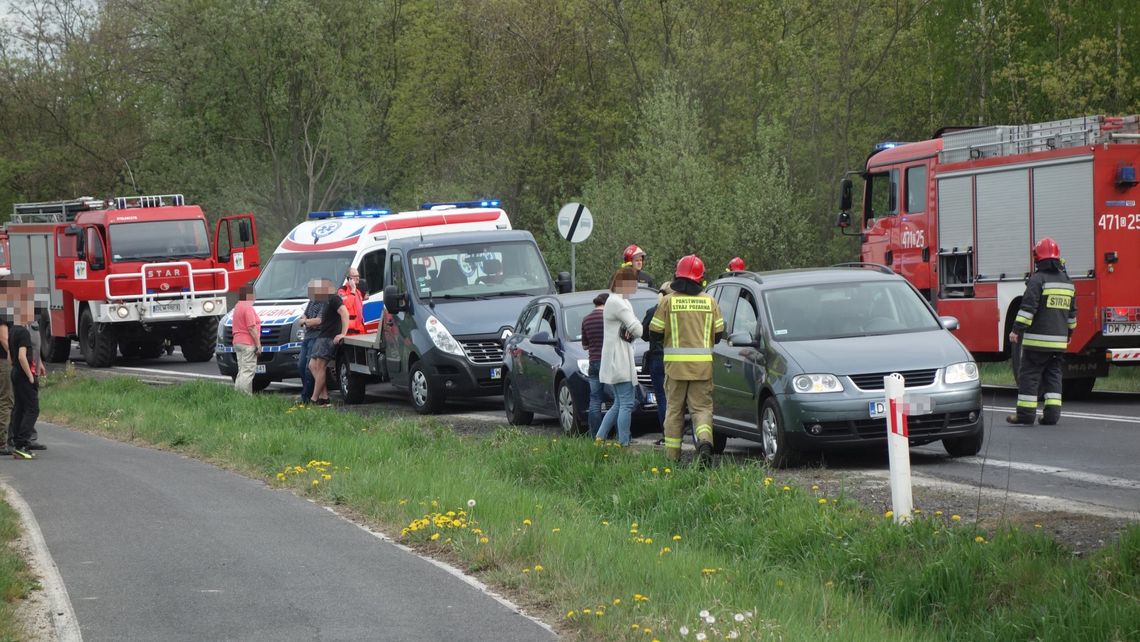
(1078, 388)
(97, 347)
(198, 345)
(53, 349)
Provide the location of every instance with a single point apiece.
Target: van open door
(235, 248)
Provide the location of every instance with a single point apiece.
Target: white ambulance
(325, 246)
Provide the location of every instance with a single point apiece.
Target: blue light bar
(486, 202)
(887, 145)
(319, 216)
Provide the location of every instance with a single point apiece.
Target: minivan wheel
(777, 453)
(965, 446)
(516, 416)
(425, 399)
(567, 415)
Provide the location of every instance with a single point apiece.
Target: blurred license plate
(877, 408)
(260, 369)
(496, 373)
(159, 308)
(1118, 329)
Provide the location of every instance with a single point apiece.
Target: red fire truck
(132, 274)
(958, 216)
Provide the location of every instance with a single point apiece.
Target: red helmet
(736, 264)
(1046, 248)
(631, 252)
(691, 267)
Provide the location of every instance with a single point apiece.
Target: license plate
(159, 308)
(496, 373)
(260, 368)
(877, 409)
(650, 397)
(1121, 329)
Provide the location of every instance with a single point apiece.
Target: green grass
(806, 569)
(15, 578)
(1118, 380)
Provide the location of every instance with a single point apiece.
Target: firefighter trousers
(697, 397)
(1039, 373)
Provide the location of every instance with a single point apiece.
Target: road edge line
(467, 579)
(63, 618)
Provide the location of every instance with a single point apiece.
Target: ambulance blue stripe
(372, 310)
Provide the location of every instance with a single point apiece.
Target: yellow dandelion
(280, 476)
(955, 518)
(708, 571)
(665, 551)
(587, 611)
(653, 470)
(829, 584)
(648, 540)
(434, 504)
(822, 500)
(633, 525)
(1037, 526)
(316, 482)
(526, 570)
(556, 530)
(787, 488)
(483, 540)
(767, 481)
(326, 477)
(403, 501)
(605, 523)
(526, 522)
(668, 471)
(635, 626)
(938, 513)
(617, 601)
(676, 538)
(571, 614)
(814, 487)
(599, 613)
(889, 514)
(434, 536)
(538, 568)
(979, 539)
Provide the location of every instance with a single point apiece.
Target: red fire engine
(958, 216)
(5, 259)
(131, 273)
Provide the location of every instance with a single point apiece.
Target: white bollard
(898, 447)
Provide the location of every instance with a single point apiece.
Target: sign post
(575, 223)
(898, 447)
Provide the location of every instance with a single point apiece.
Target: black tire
(260, 383)
(965, 446)
(130, 349)
(153, 350)
(1077, 389)
(52, 349)
(777, 453)
(720, 442)
(424, 394)
(516, 416)
(97, 347)
(198, 345)
(351, 384)
(568, 416)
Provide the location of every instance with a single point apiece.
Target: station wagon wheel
(566, 411)
(777, 454)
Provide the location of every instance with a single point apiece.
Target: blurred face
(626, 288)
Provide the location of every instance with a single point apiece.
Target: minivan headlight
(962, 372)
(442, 338)
(808, 383)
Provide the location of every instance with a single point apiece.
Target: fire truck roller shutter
(1003, 225)
(955, 228)
(1063, 210)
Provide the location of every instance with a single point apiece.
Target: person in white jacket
(618, 367)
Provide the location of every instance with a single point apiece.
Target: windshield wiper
(509, 293)
(463, 297)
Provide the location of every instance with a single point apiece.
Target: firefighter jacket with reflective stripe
(690, 325)
(1048, 312)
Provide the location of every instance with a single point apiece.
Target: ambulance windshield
(480, 271)
(287, 275)
(159, 240)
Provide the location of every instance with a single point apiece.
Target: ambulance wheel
(198, 346)
(516, 416)
(426, 398)
(777, 453)
(52, 349)
(351, 383)
(98, 349)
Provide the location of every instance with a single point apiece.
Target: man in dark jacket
(653, 362)
(1041, 330)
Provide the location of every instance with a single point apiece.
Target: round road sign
(575, 222)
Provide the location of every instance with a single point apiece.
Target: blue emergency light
(318, 216)
(480, 203)
(887, 145)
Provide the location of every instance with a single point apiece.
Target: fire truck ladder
(54, 211)
(1008, 140)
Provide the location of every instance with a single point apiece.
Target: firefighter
(736, 265)
(688, 323)
(1044, 323)
(353, 300)
(634, 257)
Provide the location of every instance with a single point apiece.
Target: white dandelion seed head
(684, 630)
(739, 617)
(701, 636)
(471, 503)
(748, 614)
(710, 620)
(732, 635)
(704, 613)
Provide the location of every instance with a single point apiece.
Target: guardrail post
(898, 447)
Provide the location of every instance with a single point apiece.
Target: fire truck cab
(131, 274)
(958, 216)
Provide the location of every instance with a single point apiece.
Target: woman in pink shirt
(247, 339)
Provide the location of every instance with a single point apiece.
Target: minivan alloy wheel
(768, 430)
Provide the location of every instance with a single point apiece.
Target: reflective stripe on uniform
(1024, 318)
(702, 430)
(673, 442)
(1057, 287)
(1027, 401)
(1052, 402)
(686, 357)
(657, 324)
(1060, 342)
(1052, 398)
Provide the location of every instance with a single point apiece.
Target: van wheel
(98, 349)
(351, 383)
(965, 446)
(516, 416)
(426, 399)
(777, 453)
(52, 349)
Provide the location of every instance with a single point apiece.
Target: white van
(325, 246)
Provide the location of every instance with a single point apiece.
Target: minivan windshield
(159, 240)
(478, 271)
(575, 313)
(287, 275)
(839, 310)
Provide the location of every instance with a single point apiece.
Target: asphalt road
(1089, 458)
(155, 546)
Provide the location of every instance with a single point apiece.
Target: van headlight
(442, 338)
(962, 372)
(809, 383)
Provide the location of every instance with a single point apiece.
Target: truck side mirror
(393, 300)
(244, 232)
(845, 196)
(843, 220)
(562, 283)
